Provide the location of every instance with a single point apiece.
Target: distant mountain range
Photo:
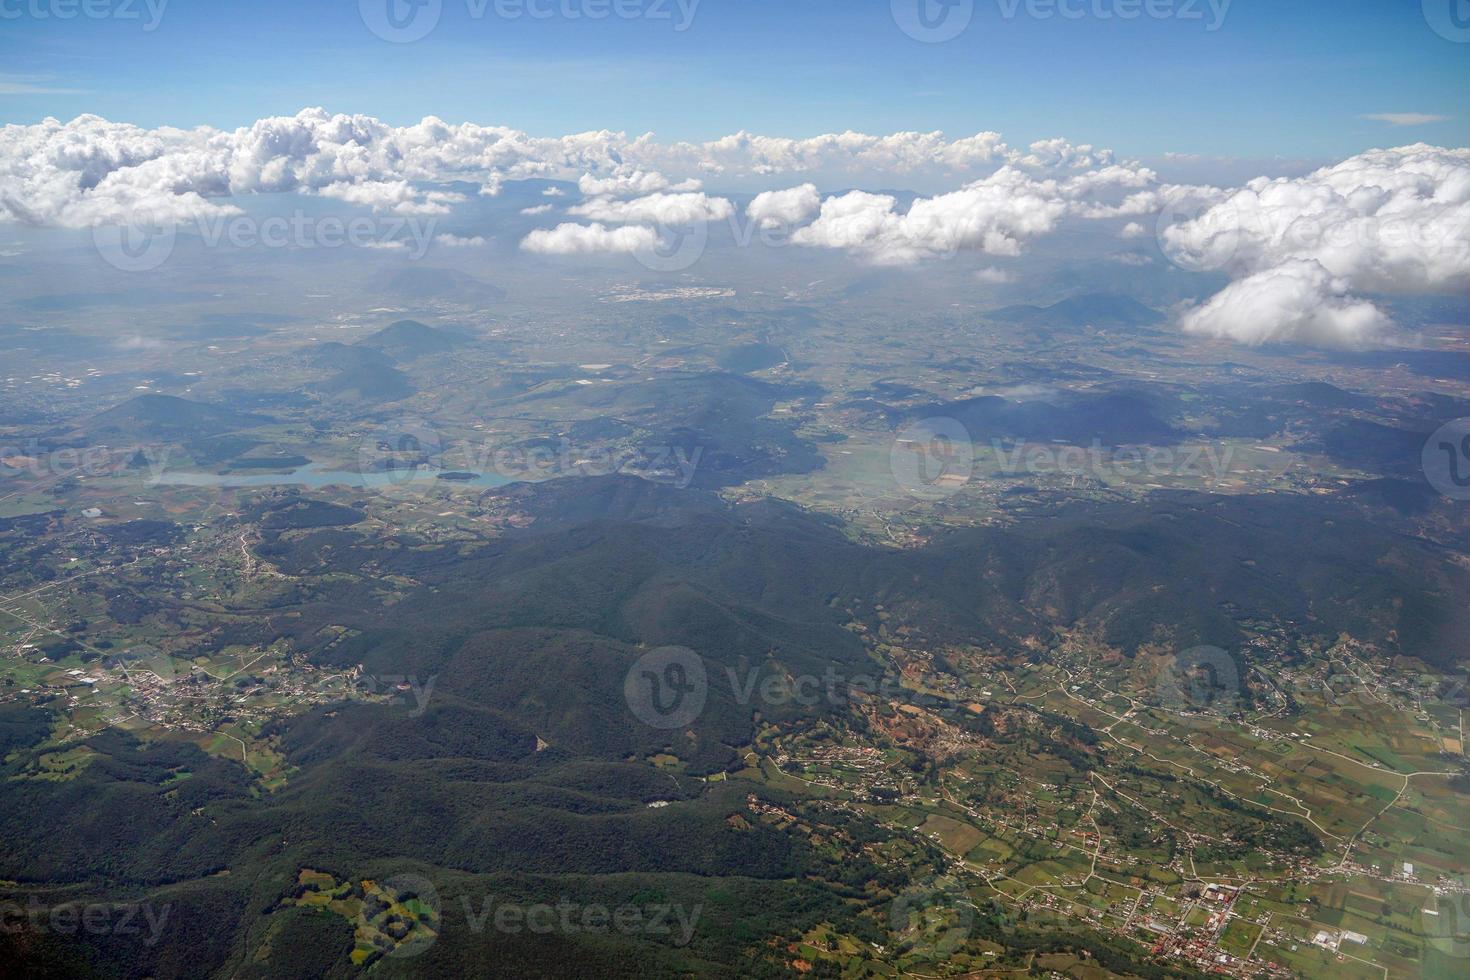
(1093, 309)
(368, 370)
(167, 418)
(408, 339)
(419, 284)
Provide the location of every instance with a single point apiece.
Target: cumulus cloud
(574, 239)
(1393, 220)
(849, 152)
(995, 276)
(90, 170)
(538, 209)
(631, 183)
(393, 196)
(460, 241)
(1386, 220)
(1298, 301)
(992, 215)
(784, 209)
(660, 209)
(1133, 230)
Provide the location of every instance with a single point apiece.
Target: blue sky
(1289, 78)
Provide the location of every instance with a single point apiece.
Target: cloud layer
(91, 170)
(1300, 252)
(1393, 221)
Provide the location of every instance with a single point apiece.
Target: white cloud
(1297, 301)
(784, 209)
(631, 183)
(1405, 118)
(90, 170)
(460, 241)
(553, 192)
(1386, 220)
(575, 239)
(992, 215)
(660, 208)
(539, 209)
(395, 196)
(995, 276)
(1059, 154)
(1133, 230)
(849, 152)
